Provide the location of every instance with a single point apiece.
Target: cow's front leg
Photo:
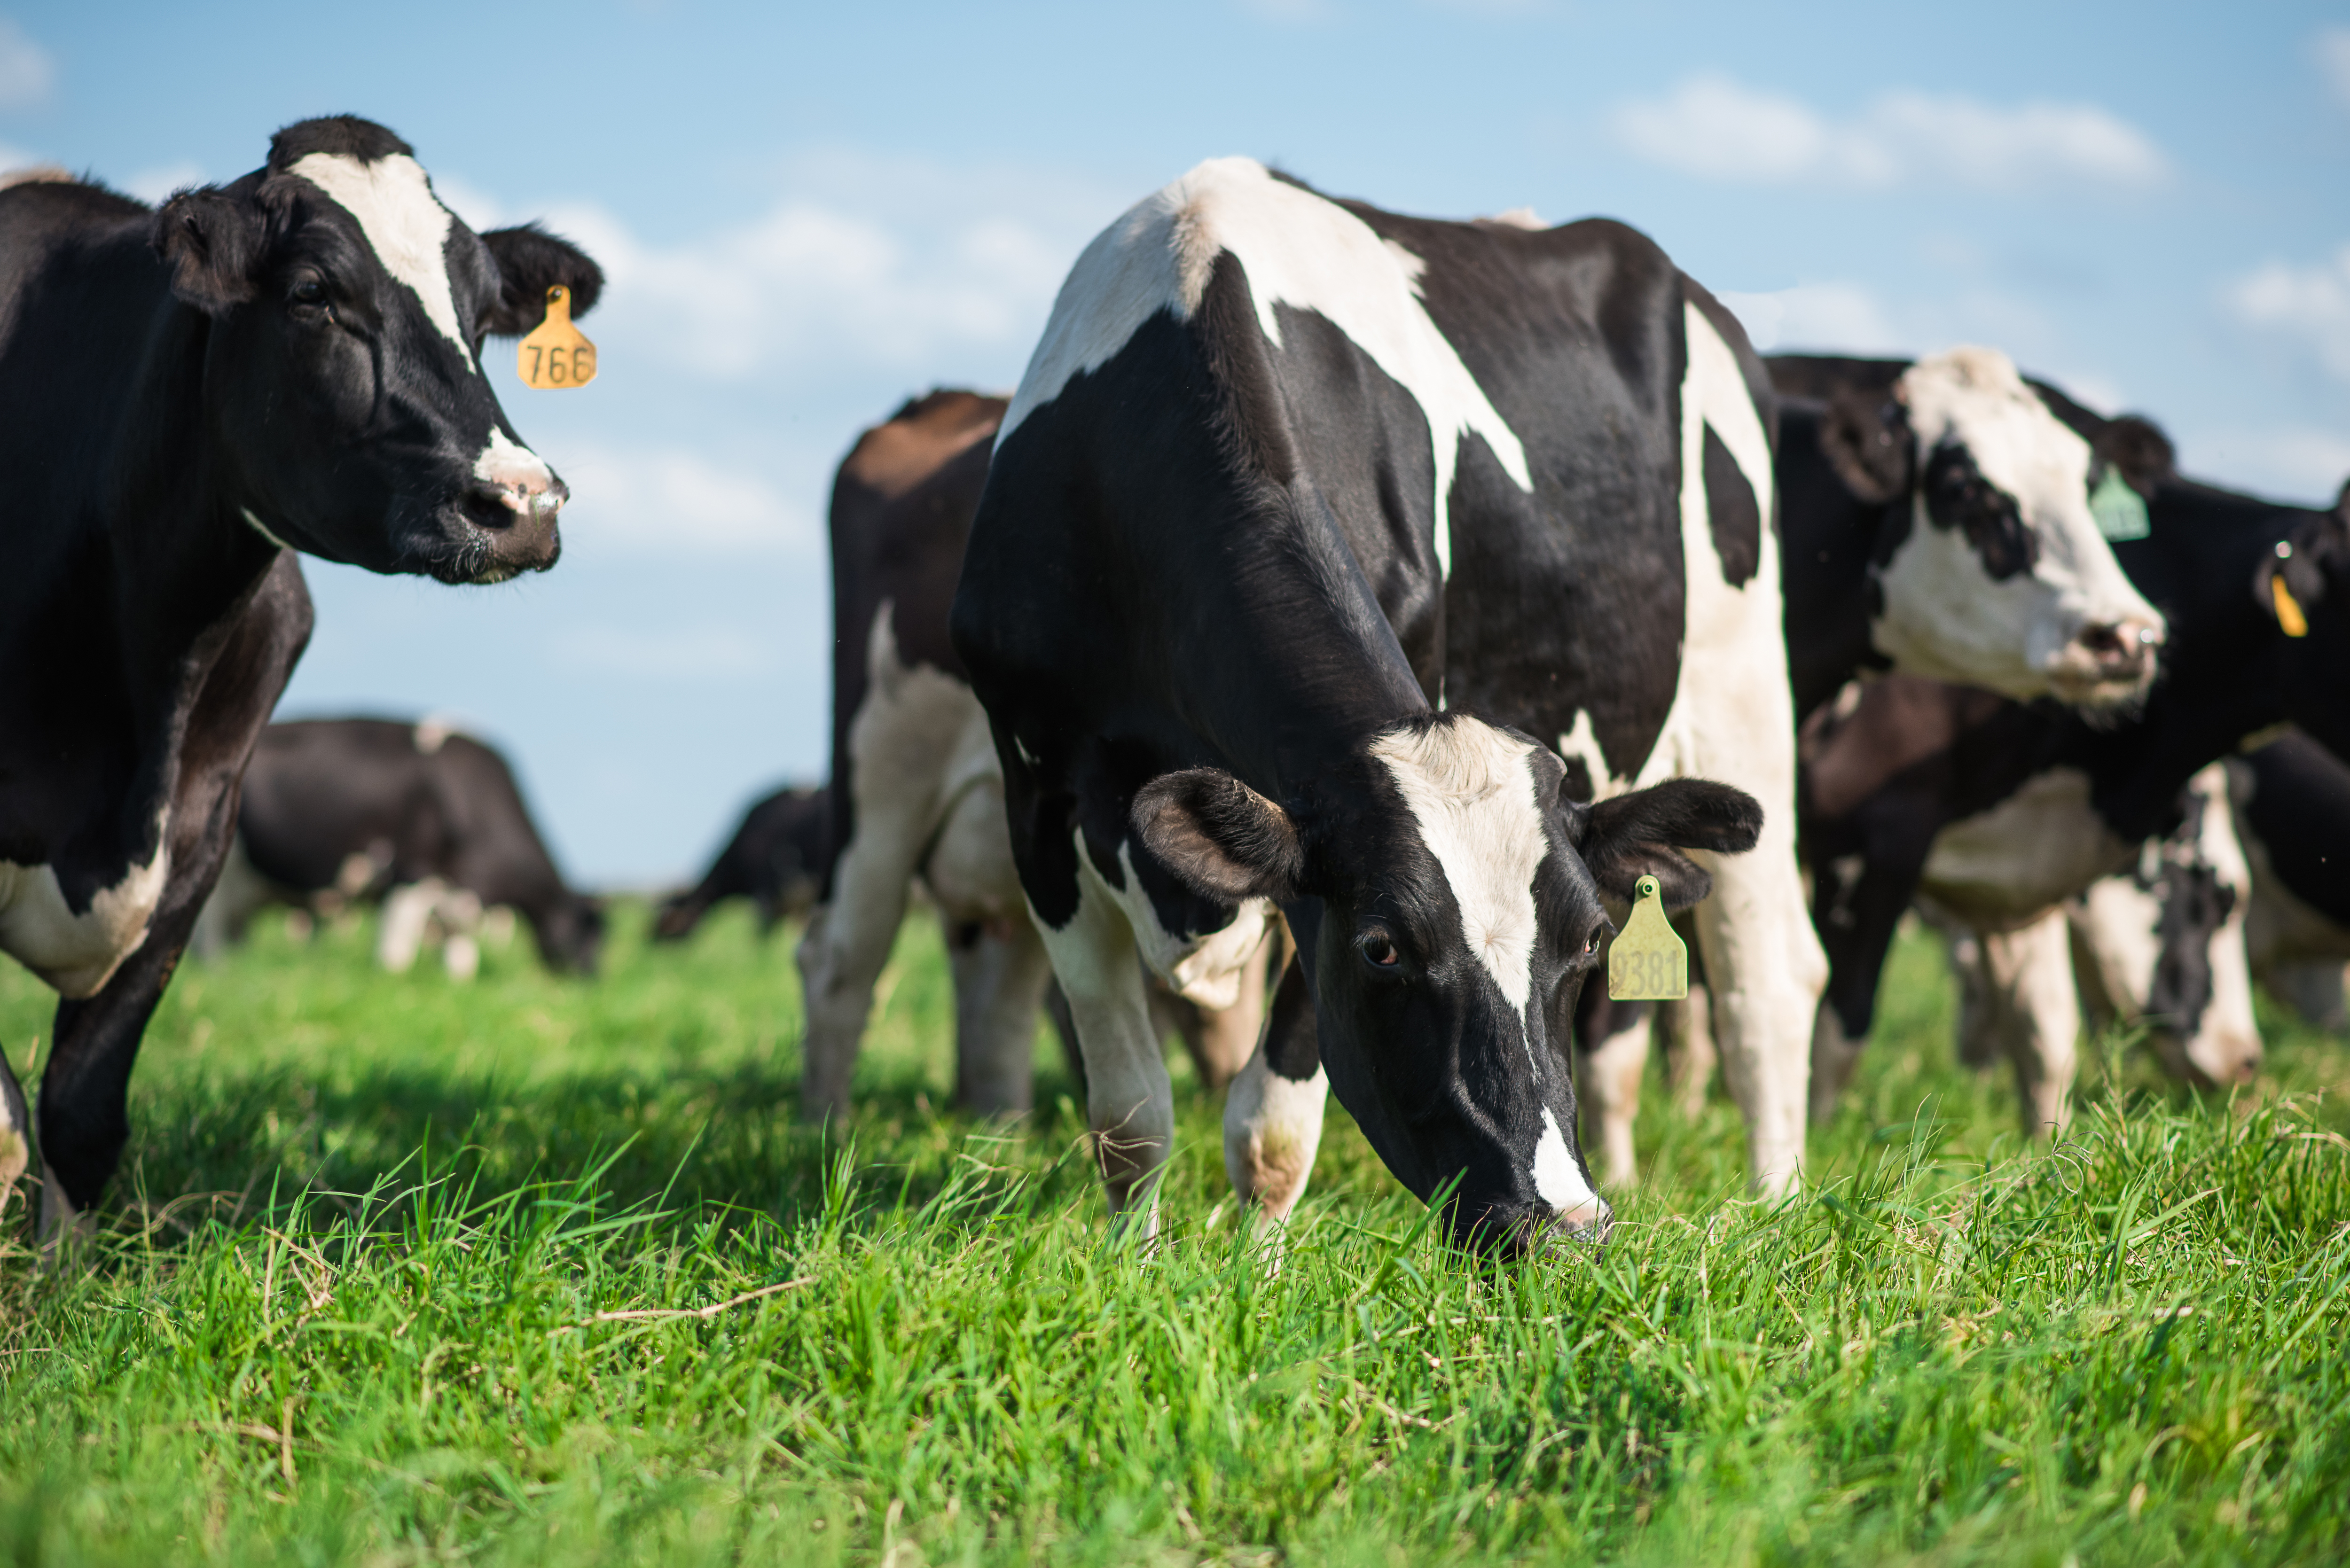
(1766, 969)
(849, 939)
(2037, 1015)
(1611, 1057)
(1129, 1101)
(1000, 972)
(1273, 1114)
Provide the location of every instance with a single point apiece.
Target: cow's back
(319, 791)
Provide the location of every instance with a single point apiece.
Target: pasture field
(531, 1271)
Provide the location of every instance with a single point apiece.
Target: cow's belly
(77, 952)
(2000, 868)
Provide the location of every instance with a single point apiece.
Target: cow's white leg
(461, 919)
(1609, 1084)
(841, 955)
(1272, 1118)
(1130, 1100)
(1766, 970)
(407, 911)
(2029, 974)
(1000, 973)
(1686, 1031)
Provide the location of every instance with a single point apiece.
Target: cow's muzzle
(508, 529)
(2107, 662)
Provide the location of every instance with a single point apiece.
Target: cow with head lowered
(1332, 560)
(188, 395)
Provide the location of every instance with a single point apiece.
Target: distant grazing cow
(2000, 813)
(916, 792)
(2292, 810)
(1936, 520)
(775, 859)
(428, 820)
(187, 396)
(2157, 947)
(1287, 478)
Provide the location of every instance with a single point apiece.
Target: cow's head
(1446, 899)
(342, 377)
(571, 935)
(1992, 570)
(2313, 564)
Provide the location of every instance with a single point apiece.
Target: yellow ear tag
(556, 356)
(2288, 609)
(1646, 963)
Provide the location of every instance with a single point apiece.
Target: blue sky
(808, 213)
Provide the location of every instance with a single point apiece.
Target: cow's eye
(1591, 942)
(310, 291)
(1378, 950)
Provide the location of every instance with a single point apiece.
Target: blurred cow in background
(776, 859)
(2292, 811)
(419, 816)
(915, 791)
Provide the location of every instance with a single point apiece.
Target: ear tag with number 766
(1646, 963)
(556, 355)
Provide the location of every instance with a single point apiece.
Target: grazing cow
(775, 859)
(2000, 813)
(1937, 521)
(2292, 811)
(426, 819)
(915, 788)
(2157, 947)
(188, 395)
(1287, 478)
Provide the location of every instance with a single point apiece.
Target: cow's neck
(1829, 538)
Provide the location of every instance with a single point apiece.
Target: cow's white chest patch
(1471, 790)
(78, 952)
(1298, 249)
(404, 222)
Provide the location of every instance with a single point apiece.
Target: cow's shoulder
(921, 437)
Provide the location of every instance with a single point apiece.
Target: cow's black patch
(1736, 517)
(338, 135)
(1958, 495)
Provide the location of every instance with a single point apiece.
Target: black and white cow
(1936, 518)
(775, 859)
(916, 790)
(1287, 479)
(187, 396)
(2293, 811)
(2000, 813)
(422, 817)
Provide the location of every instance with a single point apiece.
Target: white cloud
(1838, 318)
(678, 503)
(696, 652)
(2311, 304)
(885, 264)
(1716, 127)
(2334, 59)
(154, 184)
(27, 72)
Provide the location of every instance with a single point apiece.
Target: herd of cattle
(1344, 613)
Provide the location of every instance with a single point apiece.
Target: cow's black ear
(1868, 441)
(530, 262)
(1220, 838)
(1634, 836)
(214, 244)
(2138, 446)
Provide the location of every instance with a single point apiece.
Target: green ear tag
(2120, 511)
(1646, 963)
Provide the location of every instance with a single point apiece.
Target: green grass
(401, 1270)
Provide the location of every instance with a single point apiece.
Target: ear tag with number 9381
(556, 355)
(1646, 963)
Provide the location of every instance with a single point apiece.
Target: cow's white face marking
(407, 225)
(1557, 1181)
(520, 475)
(1298, 249)
(78, 953)
(1472, 792)
(1943, 615)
